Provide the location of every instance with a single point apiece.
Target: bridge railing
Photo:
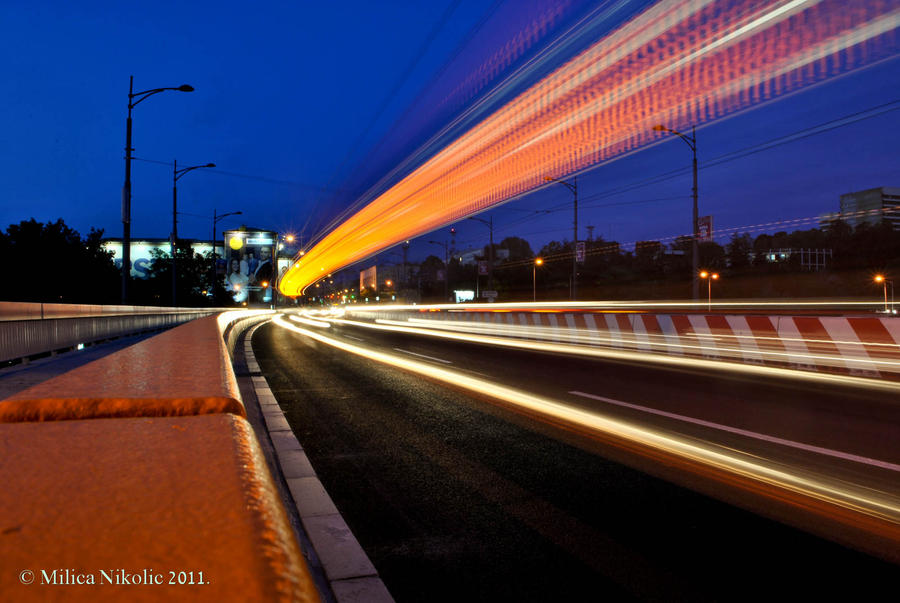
(31, 329)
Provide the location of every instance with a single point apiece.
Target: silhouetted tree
(53, 263)
(519, 248)
(740, 251)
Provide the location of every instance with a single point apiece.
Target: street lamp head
(704, 274)
(714, 276)
(538, 261)
(879, 278)
(660, 128)
(210, 165)
(549, 179)
(185, 88)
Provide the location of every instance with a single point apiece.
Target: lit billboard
(368, 278)
(249, 268)
(142, 253)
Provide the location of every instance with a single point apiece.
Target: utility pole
(572, 186)
(691, 141)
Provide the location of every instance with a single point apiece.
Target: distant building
(871, 206)
(810, 259)
(470, 257)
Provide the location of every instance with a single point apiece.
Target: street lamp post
(880, 278)
(695, 244)
(404, 282)
(216, 220)
(126, 188)
(537, 262)
(276, 275)
(710, 277)
(176, 174)
(572, 186)
(490, 224)
(446, 247)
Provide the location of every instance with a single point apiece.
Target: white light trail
(847, 496)
(641, 357)
(746, 433)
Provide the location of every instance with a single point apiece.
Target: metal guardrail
(31, 329)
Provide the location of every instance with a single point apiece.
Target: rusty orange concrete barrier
(137, 477)
(183, 371)
(139, 509)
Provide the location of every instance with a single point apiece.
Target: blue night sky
(304, 106)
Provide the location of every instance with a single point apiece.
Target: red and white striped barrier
(864, 346)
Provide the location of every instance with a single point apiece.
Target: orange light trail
(678, 63)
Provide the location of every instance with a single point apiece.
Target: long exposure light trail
(678, 62)
(866, 504)
(665, 343)
(754, 370)
(564, 306)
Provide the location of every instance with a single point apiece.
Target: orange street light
(710, 277)
(537, 262)
(880, 278)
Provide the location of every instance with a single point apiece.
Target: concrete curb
(351, 575)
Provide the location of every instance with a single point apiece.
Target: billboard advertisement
(368, 278)
(249, 265)
(142, 253)
(705, 228)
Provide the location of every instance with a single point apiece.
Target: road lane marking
(849, 496)
(352, 337)
(423, 356)
(750, 434)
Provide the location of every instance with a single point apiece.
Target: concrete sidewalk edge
(351, 575)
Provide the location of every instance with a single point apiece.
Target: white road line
(423, 356)
(849, 496)
(352, 337)
(750, 434)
